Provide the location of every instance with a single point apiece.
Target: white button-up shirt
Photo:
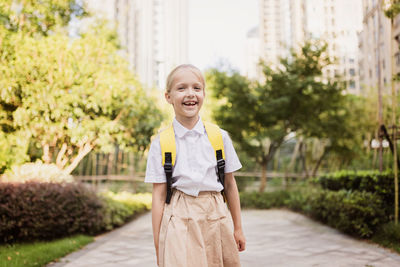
(195, 164)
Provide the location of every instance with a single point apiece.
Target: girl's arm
(232, 197)
(157, 209)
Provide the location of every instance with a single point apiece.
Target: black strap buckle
(221, 170)
(168, 174)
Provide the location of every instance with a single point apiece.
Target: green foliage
(66, 96)
(36, 211)
(370, 181)
(40, 253)
(388, 235)
(264, 200)
(115, 213)
(14, 147)
(294, 97)
(136, 202)
(32, 211)
(38, 17)
(393, 9)
(363, 181)
(355, 213)
(121, 207)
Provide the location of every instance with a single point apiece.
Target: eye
(197, 88)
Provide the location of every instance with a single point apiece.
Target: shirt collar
(181, 130)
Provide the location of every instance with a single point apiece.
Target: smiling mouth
(189, 104)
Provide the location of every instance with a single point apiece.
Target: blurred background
(304, 87)
(307, 89)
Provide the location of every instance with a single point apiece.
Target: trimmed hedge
(42, 211)
(30, 211)
(264, 200)
(381, 184)
(369, 181)
(355, 213)
(122, 207)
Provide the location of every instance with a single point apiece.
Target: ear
(168, 97)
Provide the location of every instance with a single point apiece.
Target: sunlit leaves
(77, 91)
(291, 98)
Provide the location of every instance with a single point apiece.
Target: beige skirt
(197, 232)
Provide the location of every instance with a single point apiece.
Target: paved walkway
(274, 238)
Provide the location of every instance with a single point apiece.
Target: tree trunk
(46, 154)
(314, 172)
(60, 161)
(263, 179)
(291, 166)
(83, 151)
(276, 160)
(303, 159)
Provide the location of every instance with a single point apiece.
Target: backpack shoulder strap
(168, 154)
(215, 137)
(167, 143)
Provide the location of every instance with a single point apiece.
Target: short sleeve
(232, 162)
(154, 169)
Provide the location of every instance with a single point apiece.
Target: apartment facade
(375, 42)
(153, 34)
(287, 24)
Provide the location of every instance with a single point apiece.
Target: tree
(68, 96)
(39, 18)
(391, 12)
(294, 98)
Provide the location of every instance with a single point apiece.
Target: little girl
(195, 228)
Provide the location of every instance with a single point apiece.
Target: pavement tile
(274, 238)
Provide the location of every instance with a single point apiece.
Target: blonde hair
(194, 69)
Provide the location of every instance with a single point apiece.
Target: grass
(40, 253)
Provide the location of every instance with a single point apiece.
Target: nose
(190, 91)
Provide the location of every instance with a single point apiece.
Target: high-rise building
(153, 34)
(252, 54)
(375, 48)
(287, 24)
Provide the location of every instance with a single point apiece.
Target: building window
(352, 84)
(397, 55)
(352, 72)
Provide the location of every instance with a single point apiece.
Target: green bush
(31, 211)
(264, 200)
(43, 211)
(369, 181)
(355, 213)
(115, 214)
(388, 235)
(121, 207)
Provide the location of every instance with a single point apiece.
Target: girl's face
(186, 94)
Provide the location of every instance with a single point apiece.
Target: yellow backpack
(168, 153)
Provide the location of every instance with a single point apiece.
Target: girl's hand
(240, 239)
